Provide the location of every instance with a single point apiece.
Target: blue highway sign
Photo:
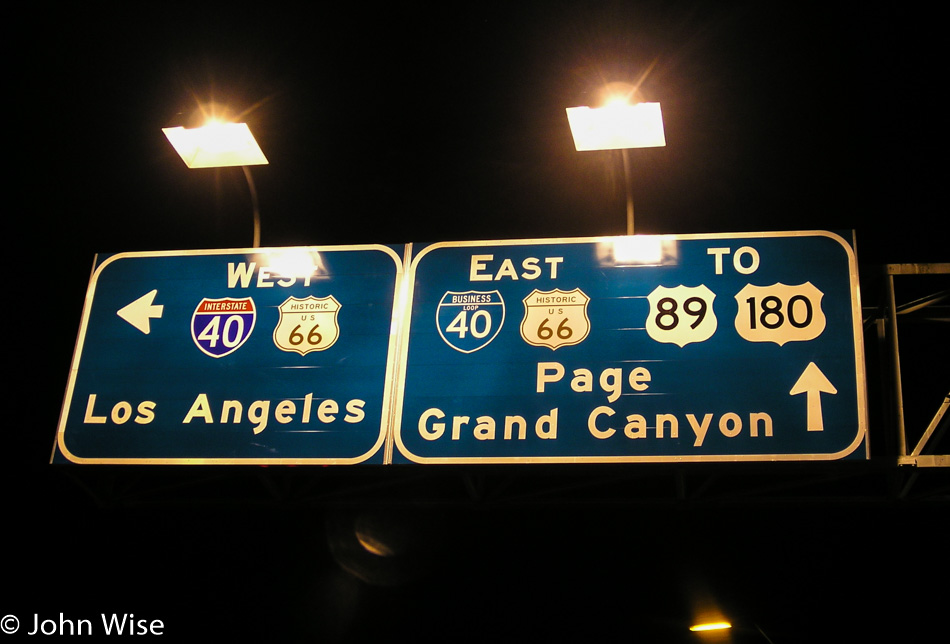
(623, 349)
(633, 349)
(234, 356)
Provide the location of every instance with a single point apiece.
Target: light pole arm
(628, 186)
(257, 212)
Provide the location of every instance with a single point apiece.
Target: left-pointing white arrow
(139, 312)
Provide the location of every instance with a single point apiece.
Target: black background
(411, 123)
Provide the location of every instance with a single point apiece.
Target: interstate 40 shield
(634, 349)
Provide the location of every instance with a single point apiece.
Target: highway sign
(627, 349)
(234, 356)
(676, 348)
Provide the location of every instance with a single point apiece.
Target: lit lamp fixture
(219, 145)
(216, 145)
(618, 126)
(710, 626)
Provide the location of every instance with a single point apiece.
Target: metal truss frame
(887, 328)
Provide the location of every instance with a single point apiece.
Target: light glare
(298, 263)
(638, 250)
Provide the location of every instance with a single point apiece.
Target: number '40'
(479, 325)
(231, 336)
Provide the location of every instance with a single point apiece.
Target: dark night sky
(444, 124)
(415, 123)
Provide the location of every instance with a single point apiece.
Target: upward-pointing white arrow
(813, 383)
(139, 312)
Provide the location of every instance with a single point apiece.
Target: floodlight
(617, 126)
(216, 145)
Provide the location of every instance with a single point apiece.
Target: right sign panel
(633, 349)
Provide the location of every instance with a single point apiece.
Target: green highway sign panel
(725, 347)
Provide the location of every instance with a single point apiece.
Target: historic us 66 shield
(469, 320)
(555, 318)
(220, 326)
(308, 324)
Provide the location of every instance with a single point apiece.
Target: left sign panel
(234, 356)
